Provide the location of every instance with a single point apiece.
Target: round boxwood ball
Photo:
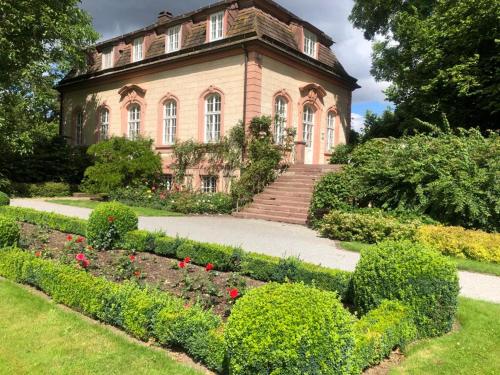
(108, 224)
(4, 199)
(413, 273)
(289, 329)
(9, 231)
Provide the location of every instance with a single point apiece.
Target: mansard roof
(262, 20)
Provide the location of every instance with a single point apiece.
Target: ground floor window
(209, 184)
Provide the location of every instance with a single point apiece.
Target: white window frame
(216, 26)
(208, 184)
(169, 122)
(310, 41)
(308, 125)
(79, 128)
(330, 131)
(173, 39)
(107, 58)
(213, 117)
(138, 49)
(134, 121)
(280, 120)
(104, 124)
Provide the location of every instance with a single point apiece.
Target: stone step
(287, 193)
(292, 189)
(281, 219)
(279, 208)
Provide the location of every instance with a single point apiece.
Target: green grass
(473, 349)
(39, 337)
(140, 211)
(462, 264)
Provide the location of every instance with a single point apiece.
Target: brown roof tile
(157, 47)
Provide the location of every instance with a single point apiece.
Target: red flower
(187, 259)
(132, 258)
(233, 293)
(182, 265)
(79, 240)
(85, 263)
(209, 267)
(69, 238)
(137, 273)
(38, 254)
(80, 257)
(111, 219)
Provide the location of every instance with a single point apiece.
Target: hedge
(9, 231)
(462, 243)
(381, 330)
(45, 189)
(144, 313)
(4, 199)
(228, 258)
(51, 220)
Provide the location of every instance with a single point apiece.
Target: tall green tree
(441, 56)
(40, 40)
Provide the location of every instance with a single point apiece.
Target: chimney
(164, 16)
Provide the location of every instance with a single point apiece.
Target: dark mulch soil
(193, 283)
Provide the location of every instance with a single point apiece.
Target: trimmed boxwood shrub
(9, 231)
(4, 199)
(290, 329)
(109, 223)
(412, 273)
(381, 330)
(369, 226)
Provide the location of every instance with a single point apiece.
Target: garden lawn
(473, 349)
(39, 337)
(462, 264)
(140, 211)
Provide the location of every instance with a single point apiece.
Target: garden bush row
(44, 189)
(372, 226)
(4, 199)
(142, 312)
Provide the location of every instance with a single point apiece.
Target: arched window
(134, 121)
(330, 131)
(280, 119)
(308, 125)
(169, 122)
(104, 123)
(79, 128)
(213, 107)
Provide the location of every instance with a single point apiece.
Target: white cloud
(357, 122)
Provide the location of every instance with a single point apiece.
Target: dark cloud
(113, 18)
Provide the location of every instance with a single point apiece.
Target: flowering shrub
(109, 223)
(128, 268)
(75, 249)
(290, 329)
(9, 232)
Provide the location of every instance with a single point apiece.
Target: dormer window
(107, 58)
(173, 39)
(310, 41)
(216, 26)
(137, 54)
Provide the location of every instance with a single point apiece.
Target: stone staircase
(287, 200)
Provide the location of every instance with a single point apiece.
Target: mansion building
(196, 75)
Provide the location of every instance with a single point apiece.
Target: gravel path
(268, 238)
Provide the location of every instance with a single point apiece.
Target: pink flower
(209, 267)
(132, 258)
(85, 263)
(79, 240)
(80, 257)
(187, 259)
(182, 265)
(233, 293)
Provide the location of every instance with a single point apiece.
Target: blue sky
(115, 17)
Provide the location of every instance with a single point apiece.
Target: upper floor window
(213, 109)
(134, 121)
(104, 123)
(280, 119)
(137, 53)
(169, 122)
(174, 39)
(216, 26)
(107, 58)
(209, 184)
(330, 131)
(310, 43)
(308, 125)
(79, 128)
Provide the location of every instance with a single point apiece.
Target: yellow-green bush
(462, 243)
